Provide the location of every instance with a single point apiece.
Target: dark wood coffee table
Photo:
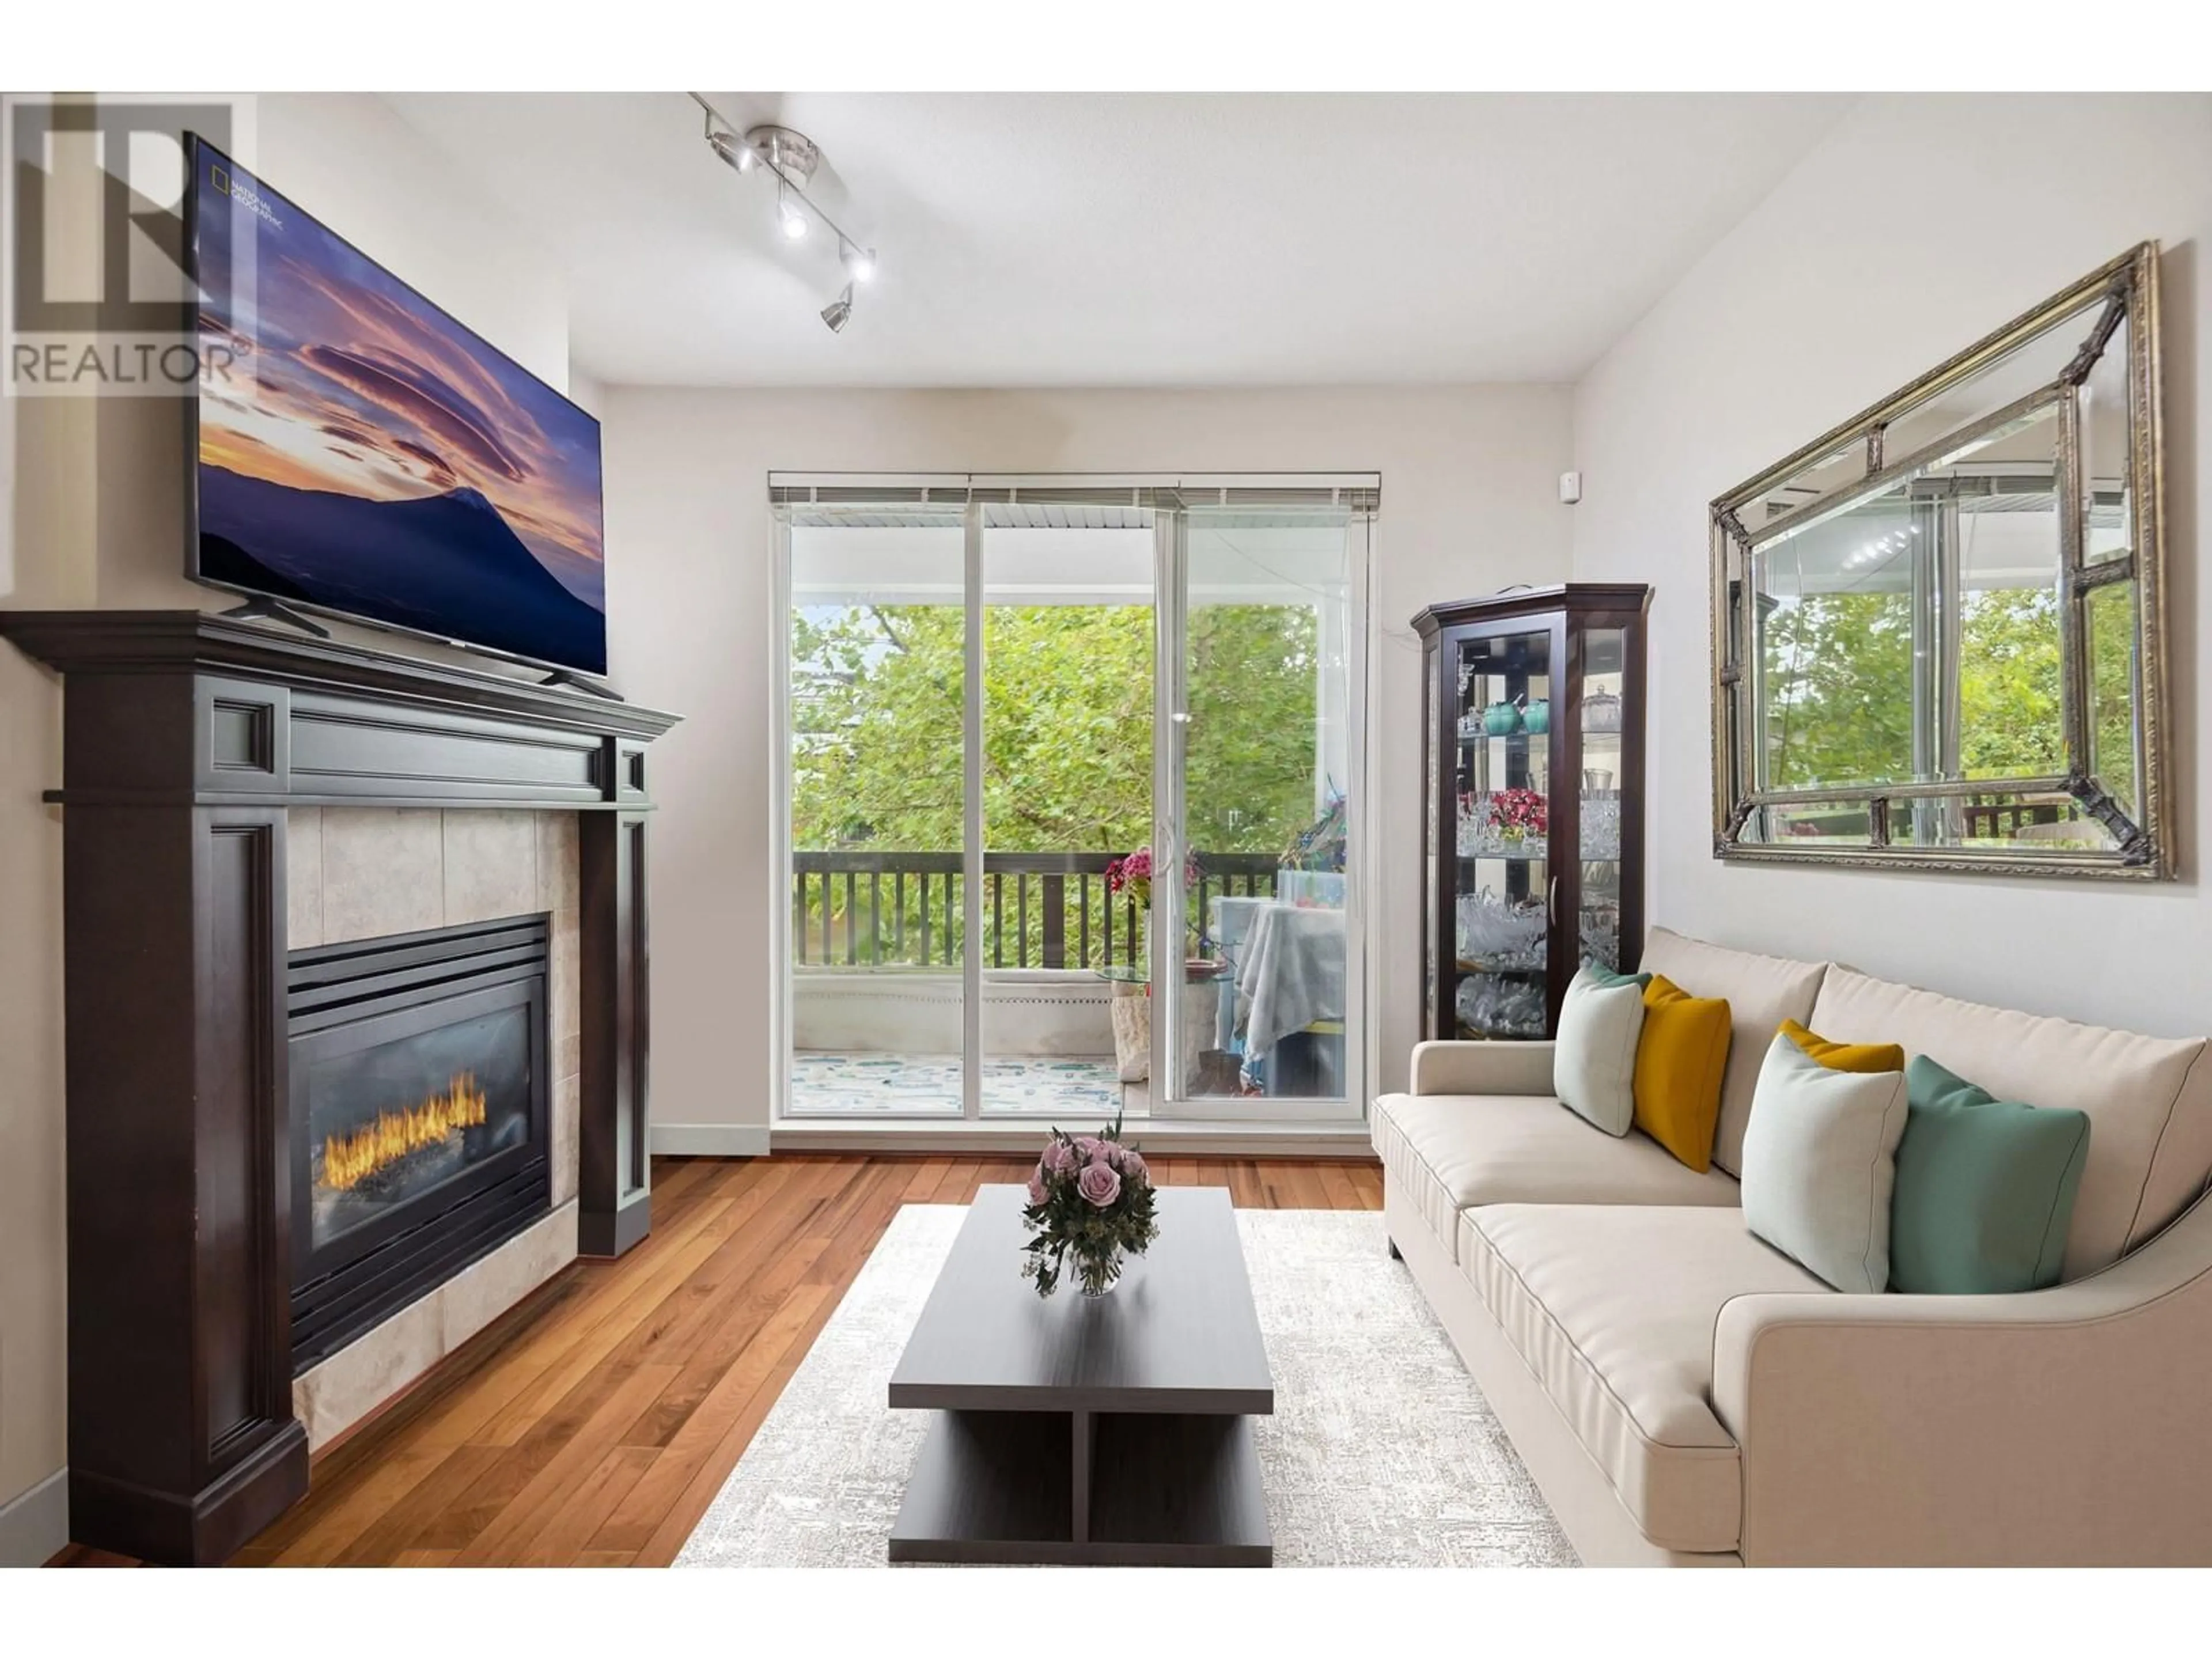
(1112, 1431)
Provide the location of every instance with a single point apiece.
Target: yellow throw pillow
(1679, 1060)
(1846, 1056)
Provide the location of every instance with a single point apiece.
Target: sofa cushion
(1444, 1153)
(2149, 1099)
(1761, 992)
(1613, 1310)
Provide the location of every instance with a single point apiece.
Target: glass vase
(1097, 1277)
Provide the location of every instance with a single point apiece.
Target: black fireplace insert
(419, 1085)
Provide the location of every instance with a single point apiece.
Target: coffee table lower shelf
(1079, 1488)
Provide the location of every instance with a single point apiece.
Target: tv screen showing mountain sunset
(363, 452)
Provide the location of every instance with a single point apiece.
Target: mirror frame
(2126, 289)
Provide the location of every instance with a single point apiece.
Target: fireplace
(420, 1083)
(189, 743)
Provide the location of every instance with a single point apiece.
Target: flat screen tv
(358, 452)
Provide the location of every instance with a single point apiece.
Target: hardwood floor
(592, 1425)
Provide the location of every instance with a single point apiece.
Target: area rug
(1381, 1452)
(826, 1083)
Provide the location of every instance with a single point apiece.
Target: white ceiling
(1131, 240)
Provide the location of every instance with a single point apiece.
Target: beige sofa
(1685, 1395)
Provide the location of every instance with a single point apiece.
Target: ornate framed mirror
(1938, 631)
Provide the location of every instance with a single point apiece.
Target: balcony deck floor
(881, 1085)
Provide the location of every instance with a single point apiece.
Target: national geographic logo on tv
(245, 195)
(97, 299)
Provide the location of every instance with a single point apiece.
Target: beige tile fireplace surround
(356, 872)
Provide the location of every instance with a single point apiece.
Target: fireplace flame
(350, 1159)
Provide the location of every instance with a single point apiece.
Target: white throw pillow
(1594, 1057)
(1820, 1161)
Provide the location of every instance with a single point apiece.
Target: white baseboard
(710, 1139)
(1175, 1137)
(34, 1525)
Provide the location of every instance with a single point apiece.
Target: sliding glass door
(1263, 769)
(876, 888)
(1067, 765)
(1108, 733)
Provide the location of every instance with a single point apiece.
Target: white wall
(94, 520)
(1919, 225)
(1469, 504)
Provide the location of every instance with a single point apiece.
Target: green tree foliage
(1067, 729)
(876, 726)
(2112, 677)
(2009, 684)
(1840, 688)
(1067, 735)
(1250, 758)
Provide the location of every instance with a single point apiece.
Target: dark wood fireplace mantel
(277, 719)
(185, 737)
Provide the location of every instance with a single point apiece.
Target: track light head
(859, 262)
(788, 214)
(732, 148)
(839, 311)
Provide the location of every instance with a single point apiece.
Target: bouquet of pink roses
(1090, 1198)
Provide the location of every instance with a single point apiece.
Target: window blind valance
(1058, 506)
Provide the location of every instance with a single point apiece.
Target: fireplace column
(182, 1444)
(614, 1170)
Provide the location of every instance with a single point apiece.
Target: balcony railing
(868, 909)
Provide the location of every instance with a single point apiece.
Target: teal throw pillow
(1605, 975)
(1985, 1188)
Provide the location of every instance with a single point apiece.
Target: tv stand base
(562, 676)
(277, 610)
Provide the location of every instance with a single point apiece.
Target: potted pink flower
(1132, 877)
(1091, 1198)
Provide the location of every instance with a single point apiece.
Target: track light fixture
(791, 157)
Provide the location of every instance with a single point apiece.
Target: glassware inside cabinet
(1600, 931)
(1503, 726)
(1502, 840)
(1501, 1005)
(1604, 661)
